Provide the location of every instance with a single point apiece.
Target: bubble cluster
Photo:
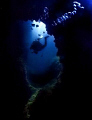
(68, 15)
(64, 17)
(45, 14)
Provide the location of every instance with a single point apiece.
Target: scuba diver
(37, 46)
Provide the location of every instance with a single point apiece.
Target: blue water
(36, 63)
(87, 4)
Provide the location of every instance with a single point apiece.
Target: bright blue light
(39, 30)
(37, 63)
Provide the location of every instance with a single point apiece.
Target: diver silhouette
(37, 46)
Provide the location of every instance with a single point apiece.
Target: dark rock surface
(73, 95)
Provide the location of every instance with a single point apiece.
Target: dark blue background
(74, 95)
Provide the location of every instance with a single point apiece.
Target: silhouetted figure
(37, 46)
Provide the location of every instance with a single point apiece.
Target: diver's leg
(36, 52)
(46, 37)
(46, 40)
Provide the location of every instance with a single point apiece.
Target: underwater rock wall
(72, 48)
(68, 98)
